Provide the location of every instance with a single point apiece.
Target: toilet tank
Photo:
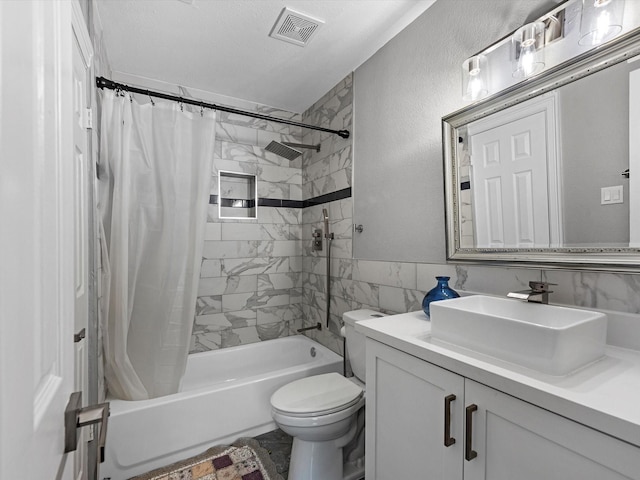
(356, 341)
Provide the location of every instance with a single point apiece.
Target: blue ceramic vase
(441, 291)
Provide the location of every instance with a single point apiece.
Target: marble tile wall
(251, 276)
(328, 171)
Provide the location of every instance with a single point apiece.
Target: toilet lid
(319, 394)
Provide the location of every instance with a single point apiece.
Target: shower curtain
(155, 174)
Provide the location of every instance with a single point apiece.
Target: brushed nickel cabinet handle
(448, 439)
(469, 452)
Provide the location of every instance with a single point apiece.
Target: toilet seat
(316, 396)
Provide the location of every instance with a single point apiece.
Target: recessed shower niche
(237, 195)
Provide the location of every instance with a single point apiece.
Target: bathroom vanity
(439, 411)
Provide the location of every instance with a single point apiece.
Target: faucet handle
(540, 287)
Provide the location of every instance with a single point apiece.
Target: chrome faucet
(539, 292)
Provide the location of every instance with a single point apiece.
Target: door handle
(76, 416)
(79, 336)
(469, 452)
(448, 439)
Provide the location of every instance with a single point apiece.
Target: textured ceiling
(223, 46)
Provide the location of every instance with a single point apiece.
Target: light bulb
(474, 78)
(474, 88)
(603, 26)
(528, 55)
(527, 60)
(601, 20)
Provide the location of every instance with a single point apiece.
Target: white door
(634, 158)
(37, 200)
(511, 152)
(82, 53)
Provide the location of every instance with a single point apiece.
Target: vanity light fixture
(528, 52)
(474, 78)
(601, 21)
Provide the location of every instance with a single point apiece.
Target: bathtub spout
(317, 326)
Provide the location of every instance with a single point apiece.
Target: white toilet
(322, 414)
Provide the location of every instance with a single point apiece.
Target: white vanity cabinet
(405, 417)
(497, 436)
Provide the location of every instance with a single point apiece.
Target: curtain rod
(102, 82)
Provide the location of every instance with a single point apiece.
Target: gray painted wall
(594, 135)
(400, 96)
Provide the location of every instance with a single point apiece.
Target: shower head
(283, 150)
(286, 150)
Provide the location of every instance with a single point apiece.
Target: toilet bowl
(323, 414)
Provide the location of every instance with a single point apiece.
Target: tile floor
(278, 444)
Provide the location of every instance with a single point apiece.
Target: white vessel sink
(549, 339)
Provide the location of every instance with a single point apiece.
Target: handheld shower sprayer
(325, 216)
(329, 237)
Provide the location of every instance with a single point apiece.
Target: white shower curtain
(155, 173)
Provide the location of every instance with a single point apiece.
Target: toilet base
(315, 461)
(353, 470)
(326, 464)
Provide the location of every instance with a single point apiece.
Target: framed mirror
(546, 172)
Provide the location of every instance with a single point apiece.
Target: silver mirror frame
(609, 259)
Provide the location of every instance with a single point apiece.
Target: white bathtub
(225, 395)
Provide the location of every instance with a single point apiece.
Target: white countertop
(604, 395)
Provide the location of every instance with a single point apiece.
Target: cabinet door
(406, 417)
(516, 440)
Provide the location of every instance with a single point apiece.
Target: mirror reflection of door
(634, 158)
(514, 177)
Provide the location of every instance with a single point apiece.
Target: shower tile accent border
(281, 202)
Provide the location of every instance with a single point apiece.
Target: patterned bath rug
(244, 460)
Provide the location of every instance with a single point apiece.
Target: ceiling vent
(294, 27)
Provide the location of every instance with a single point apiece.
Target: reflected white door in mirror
(513, 155)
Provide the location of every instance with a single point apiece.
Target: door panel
(634, 158)
(36, 245)
(42, 210)
(513, 153)
(505, 167)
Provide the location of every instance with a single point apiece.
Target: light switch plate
(611, 195)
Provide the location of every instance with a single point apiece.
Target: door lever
(76, 416)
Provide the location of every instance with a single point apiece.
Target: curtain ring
(153, 104)
(181, 106)
(201, 110)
